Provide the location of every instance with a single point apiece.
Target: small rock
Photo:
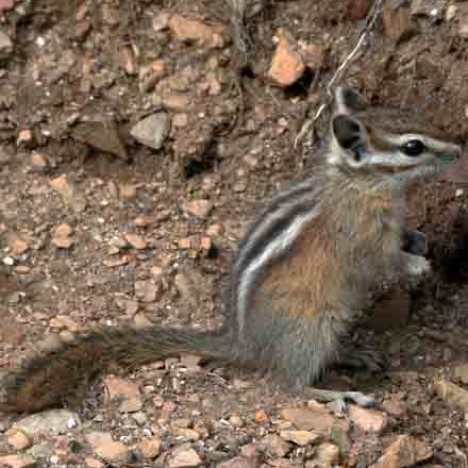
(6, 45)
(317, 418)
(236, 421)
(143, 221)
(185, 243)
(136, 241)
(392, 405)
(314, 56)
(357, 9)
(156, 271)
(367, 420)
(463, 28)
(191, 362)
(152, 130)
(39, 162)
(22, 270)
(186, 433)
(198, 208)
(340, 436)
(18, 439)
(64, 321)
(405, 451)
(301, 438)
(93, 463)
(176, 101)
(128, 60)
(126, 392)
(160, 22)
(147, 291)
(102, 135)
(17, 246)
(452, 394)
(327, 454)
(238, 462)
(61, 238)
(188, 30)
(287, 65)
(113, 452)
(275, 446)
(97, 438)
(56, 421)
(150, 448)
(397, 19)
(6, 5)
(69, 193)
(25, 138)
(17, 461)
(461, 372)
(261, 417)
(429, 8)
(184, 457)
(141, 321)
(127, 191)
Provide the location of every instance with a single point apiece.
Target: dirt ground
(90, 237)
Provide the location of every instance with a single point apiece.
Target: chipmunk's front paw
(417, 265)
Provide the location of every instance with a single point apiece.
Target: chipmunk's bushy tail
(45, 381)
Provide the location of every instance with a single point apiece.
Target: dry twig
(371, 19)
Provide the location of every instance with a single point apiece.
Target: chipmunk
(303, 271)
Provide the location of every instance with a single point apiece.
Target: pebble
(153, 130)
(150, 448)
(147, 291)
(127, 191)
(189, 30)
(316, 418)
(97, 438)
(61, 238)
(93, 463)
(300, 438)
(113, 452)
(160, 22)
(136, 241)
(275, 446)
(101, 134)
(396, 19)
(287, 65)
(261, 417)
(56, 421)
(452, 394)
(6, 45)
(18, 439)
(17, 461)
(461, 372)
(238, 462)
(184, 457)
(404, 451)
(327, 454)
(126, 392)
(17, 246)
(69, 193)
(367, 420)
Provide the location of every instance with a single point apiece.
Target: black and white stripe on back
(272, 235)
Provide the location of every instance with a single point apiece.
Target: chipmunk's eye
(413, 147)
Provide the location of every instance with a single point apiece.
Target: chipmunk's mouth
(446, 159)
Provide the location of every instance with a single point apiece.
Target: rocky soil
(136, 142)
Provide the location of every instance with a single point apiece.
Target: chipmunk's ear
(346, 100)
(350, 135)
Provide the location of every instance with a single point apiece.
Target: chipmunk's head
(384, 145)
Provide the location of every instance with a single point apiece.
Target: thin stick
(372, 18)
